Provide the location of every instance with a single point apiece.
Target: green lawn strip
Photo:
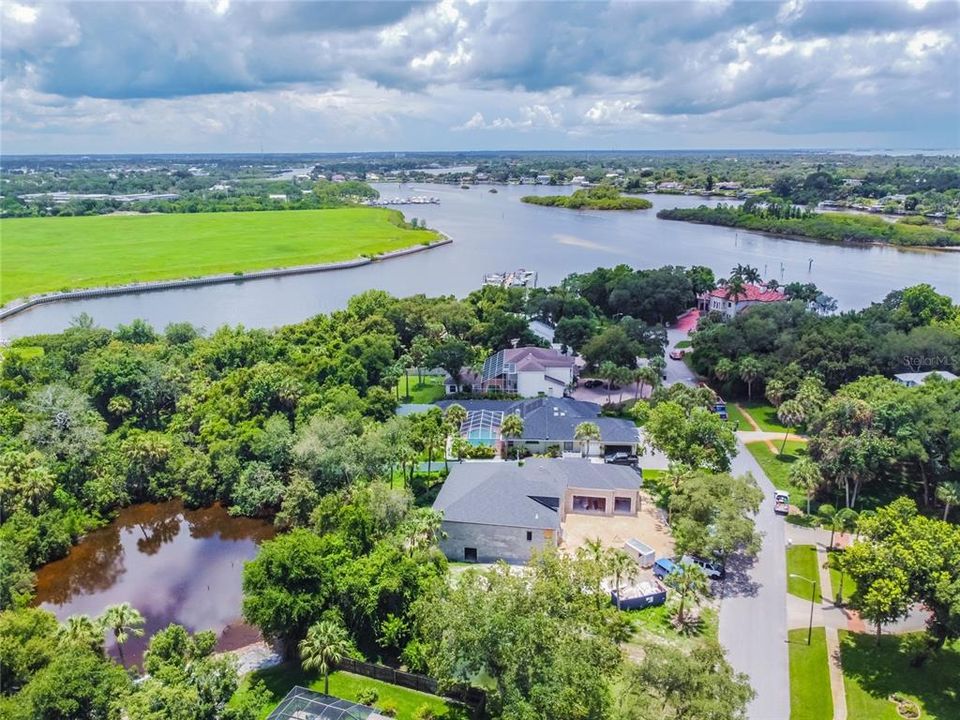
(281, 678)
(736, 416)
(802, 561)
(683, 344)
(849, 585)
(764, 415)
(810, 697)
(429, 391)
(50, 254)
(871, 674)
(656, 486)
(777, 467)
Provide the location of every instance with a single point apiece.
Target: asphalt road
(753, 609)
(677, 370)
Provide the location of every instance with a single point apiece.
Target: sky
(229, 76)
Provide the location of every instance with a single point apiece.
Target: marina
(516, 278)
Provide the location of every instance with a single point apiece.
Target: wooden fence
(472, 697)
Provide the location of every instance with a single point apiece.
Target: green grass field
(763, 414)
(50, 254)
(281, 678)
(871, 674)
(429, 391)
(802, 561)
(777, 467)
(810, 697)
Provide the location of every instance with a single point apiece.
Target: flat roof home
(918, 378)
(719, 299)
(547, 422)
(504, 511)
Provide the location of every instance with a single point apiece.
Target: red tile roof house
(525, 371)
(718, 300)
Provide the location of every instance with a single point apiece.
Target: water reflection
(172, 564)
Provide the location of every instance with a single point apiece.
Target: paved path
(753, 613)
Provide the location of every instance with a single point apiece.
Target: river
(494, 232)
(174, 565)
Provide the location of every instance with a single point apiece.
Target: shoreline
(19, 305)
(825, 241)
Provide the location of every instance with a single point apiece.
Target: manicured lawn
(281, 678)
(777, 467)
(810, 697)
(429, 391)
(48, 254)
(683, 344)
(802, 561)
(764, 415)
(872, 674)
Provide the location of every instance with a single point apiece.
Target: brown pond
(174, 565)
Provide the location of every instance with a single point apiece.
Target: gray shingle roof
(504, 493)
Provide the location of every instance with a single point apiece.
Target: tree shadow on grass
(882, 671)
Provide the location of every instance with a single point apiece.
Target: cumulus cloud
(222, 75)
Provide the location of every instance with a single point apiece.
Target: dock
(516, 278)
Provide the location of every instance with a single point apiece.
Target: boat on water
(493, 190)
(516, 278)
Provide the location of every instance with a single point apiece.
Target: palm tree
(724, 369)
(844, 520)
(948, 492)
(805, 474)
(512, 427)
(775, 391)
(736, 288)
(644, 376)
(326, 644)
(750, 371)
(690, 583)
(622, 377)
(405, 362)
(83, 631)
(607, 371)
(456, 415)
(123, 620)
(676, 474)
(791, 413)
(622, 567)
(587, 431)
(658, 364)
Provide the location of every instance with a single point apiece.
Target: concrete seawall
(17, 306)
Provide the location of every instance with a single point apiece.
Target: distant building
(525, 371)
(728, 185)
(720, 299)
(504, 511)
(338, 178)
(279, 197)
(578, 180)
(543, 179)
(918, 378)
(852, 182)
(670, 185)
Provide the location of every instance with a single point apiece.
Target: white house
(918, 378)
(525, 371)
(720, 300)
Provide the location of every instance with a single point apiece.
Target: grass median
(810, 696)
(62, 253)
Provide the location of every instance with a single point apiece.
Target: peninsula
(604, 197)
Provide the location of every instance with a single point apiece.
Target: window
(584, 503)
(529, 536)
(622, 505)
(470, 554)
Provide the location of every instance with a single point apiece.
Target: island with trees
(780, 217)
(604, 197)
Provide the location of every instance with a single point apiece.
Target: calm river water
(495, 231)
(172, 564)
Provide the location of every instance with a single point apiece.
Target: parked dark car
(593, 383)
(621, 458)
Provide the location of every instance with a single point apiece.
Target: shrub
(424, 712)
(368, 696)
(388, 708)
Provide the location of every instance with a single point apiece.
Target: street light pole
(813, 600)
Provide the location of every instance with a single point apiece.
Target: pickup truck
(781, 503)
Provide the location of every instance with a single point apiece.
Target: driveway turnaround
(753, 612)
